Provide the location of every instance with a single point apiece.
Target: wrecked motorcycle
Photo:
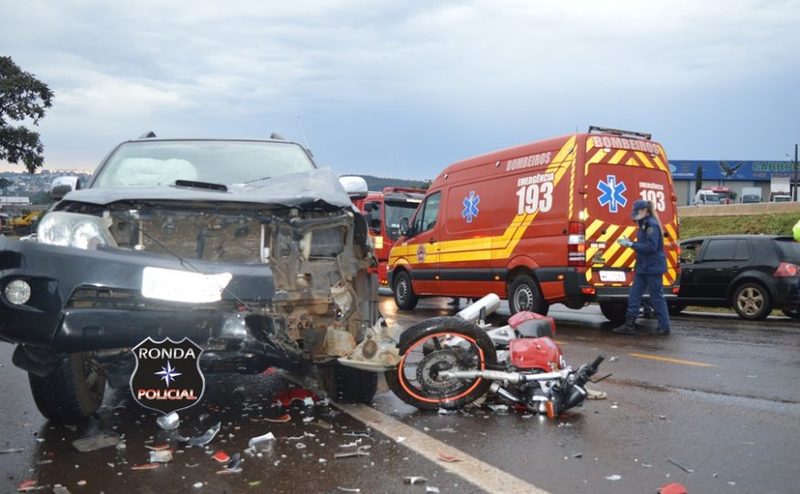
(449, 362)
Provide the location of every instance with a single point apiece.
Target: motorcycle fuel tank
(535, 353)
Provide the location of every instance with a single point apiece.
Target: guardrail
(739, 209)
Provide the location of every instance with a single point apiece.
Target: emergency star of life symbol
(167, 377)
(612, 193)
(470, 203)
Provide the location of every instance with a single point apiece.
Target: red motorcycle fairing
(535, 354)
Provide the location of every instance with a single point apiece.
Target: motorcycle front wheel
(436, 345)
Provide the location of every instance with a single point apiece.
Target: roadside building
(733, 175)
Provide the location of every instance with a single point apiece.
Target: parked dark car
(754, 274)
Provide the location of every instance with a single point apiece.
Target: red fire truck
(383, 211)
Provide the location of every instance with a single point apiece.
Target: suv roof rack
(148, 135)
(619, 132)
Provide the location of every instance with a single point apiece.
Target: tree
(22, 97)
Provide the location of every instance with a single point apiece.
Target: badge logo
(421, 253)
(167, 377)
(470, 204)
(612, 193)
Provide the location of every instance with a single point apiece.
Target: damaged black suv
(244, 246)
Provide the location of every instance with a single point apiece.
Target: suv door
(721, 260)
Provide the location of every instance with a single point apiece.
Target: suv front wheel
(752, 301)
(72, 391)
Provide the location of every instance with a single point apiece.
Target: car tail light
(576, 244)
(787, 269)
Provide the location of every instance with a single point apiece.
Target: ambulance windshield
(395, 211)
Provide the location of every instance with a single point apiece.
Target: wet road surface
(720, 397)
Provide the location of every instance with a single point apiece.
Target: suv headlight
(74, 230)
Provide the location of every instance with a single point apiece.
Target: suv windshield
(149, 163)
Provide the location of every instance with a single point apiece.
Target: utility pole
(794, 198)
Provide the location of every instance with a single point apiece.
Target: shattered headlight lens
(74, 230)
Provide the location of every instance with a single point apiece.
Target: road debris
(261, 442)
(27, 486)
(358, 452)
(614, 477)
(348, 489)
(283, 418)
(60, 489)
(197, 485)
(687, 470)
(672, 488)
(221, 457)
(169, 422)
(161, 456)
(145, 466)
(449, 458)
(447, 429)
(415, 480)
(158, 447)
(97, 441)
(206, 438)
(81, 482)
(613, 359)
(10, 451)
(432, 490)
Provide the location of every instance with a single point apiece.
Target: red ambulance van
(538, 223)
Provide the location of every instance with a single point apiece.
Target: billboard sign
(731, 170)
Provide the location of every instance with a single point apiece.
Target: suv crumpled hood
(297, 189)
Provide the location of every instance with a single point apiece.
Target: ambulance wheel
(614, 311)
(72, 391)
(436, 345)
(524, 295)
(404, 295)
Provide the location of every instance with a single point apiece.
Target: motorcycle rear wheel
(435, 345)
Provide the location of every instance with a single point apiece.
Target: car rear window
(790, 250)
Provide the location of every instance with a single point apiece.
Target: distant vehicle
(384, 211)
(751, 195)
(781, 198)
(725, 194)
(779, 186)
(751, 273)
(705, 196)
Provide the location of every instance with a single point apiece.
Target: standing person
(651, 264)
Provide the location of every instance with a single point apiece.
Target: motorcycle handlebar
(588, 370)
(594, 365)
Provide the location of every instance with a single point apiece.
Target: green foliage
(22, 97)
(767, 224)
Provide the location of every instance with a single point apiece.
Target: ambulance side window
(426, 216)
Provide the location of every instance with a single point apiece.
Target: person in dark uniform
(651, 264)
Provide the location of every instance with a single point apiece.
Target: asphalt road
(719, 398)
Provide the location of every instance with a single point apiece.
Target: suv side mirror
(59, 191)
(356, 187)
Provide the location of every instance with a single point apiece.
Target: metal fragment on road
(614, 477)
(97, 441)
(10, 451)
(687, 470)
(207, 436)
(348, 489)
(169, 422)
(359, 451)
(414, 480)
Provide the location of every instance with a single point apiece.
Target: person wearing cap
(651, 264)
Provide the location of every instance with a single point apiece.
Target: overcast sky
(402, 88)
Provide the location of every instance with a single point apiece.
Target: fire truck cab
(538, 224)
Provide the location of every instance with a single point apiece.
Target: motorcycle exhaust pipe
(503, 392)
(493, 375)
(487, 304)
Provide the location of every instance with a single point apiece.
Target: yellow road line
(670, 360)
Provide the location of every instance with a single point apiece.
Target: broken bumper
(92, 299)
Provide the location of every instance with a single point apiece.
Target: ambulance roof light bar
(619, 132)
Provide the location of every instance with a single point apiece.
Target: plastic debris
(432, 490)
(158, 447)
(448, 458)
(27, 486)
(161, 456)
(614, 477)
(97, 441)
(283, 418)
(348, 489)
(286, 397)
(10, 451)
(400, 439)
(414, 480)
(207, 437)
(444, 411)
(60, 489)
(300, 446)
(261, 442)
(359, 451)
(221, 457)
(145, 466)
(169, 422)
(197, 485)
(81, 482)
(672, 488)
(687, 470)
